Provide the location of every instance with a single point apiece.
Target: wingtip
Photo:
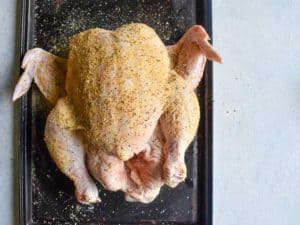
(219, 60)
(15, 96)
(214, 56)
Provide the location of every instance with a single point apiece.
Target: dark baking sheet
(46, 195)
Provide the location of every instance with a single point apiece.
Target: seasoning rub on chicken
(124, 111)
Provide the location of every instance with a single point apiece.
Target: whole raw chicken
(124, 111)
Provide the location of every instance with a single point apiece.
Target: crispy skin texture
(117, 82)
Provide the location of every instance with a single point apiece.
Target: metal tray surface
(46, 195)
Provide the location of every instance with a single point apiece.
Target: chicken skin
(125, 109)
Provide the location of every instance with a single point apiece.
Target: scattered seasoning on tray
(55, 21)
(55, 26)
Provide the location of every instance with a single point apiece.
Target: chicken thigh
(125, 109)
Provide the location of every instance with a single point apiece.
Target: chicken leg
(66, 146)
(179, 122)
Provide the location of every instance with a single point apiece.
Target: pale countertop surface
(256, 112)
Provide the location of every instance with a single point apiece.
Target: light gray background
(256, 112)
